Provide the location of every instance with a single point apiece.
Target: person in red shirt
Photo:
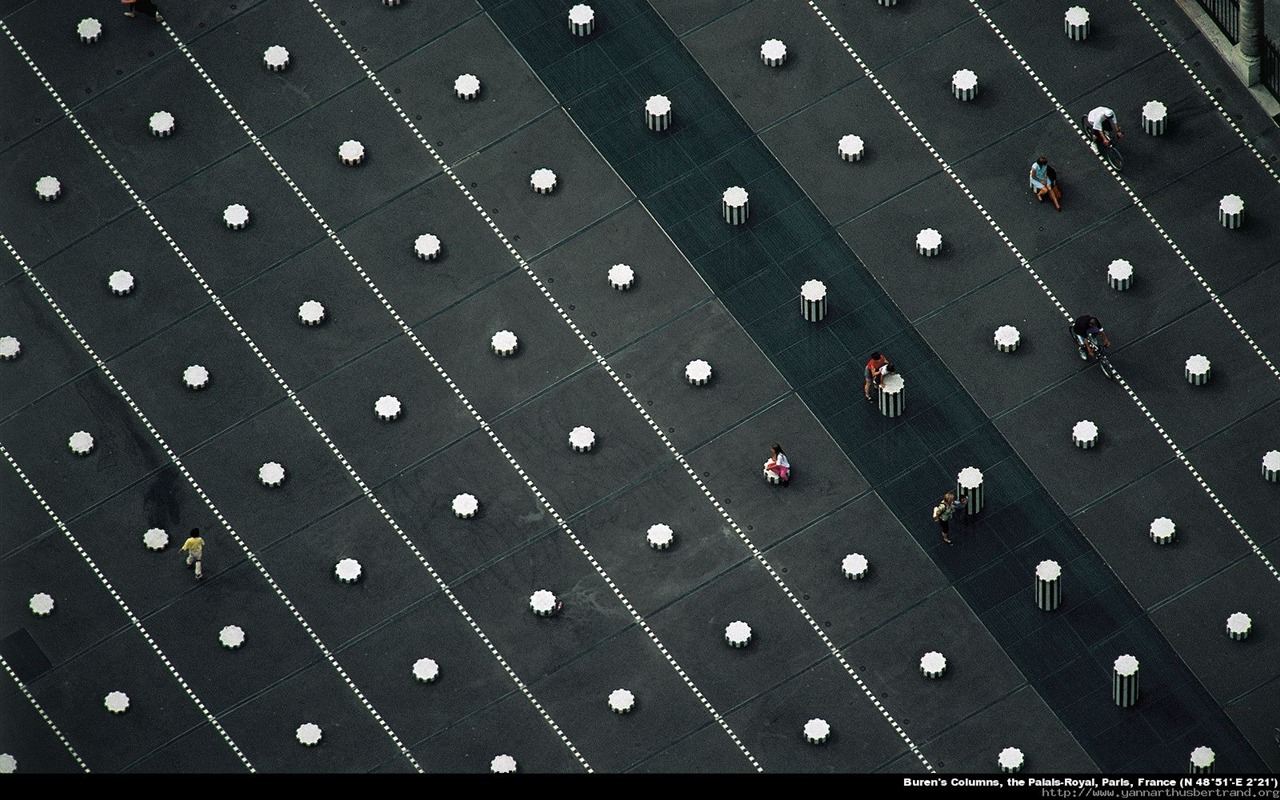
(873, 373)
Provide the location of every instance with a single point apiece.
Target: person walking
(778, 464)
(145, 7)
(873, 373)
(1044, 182)
(945, 510)
(194, 548)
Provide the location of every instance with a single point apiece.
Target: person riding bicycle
(1102, 126)
(1086, 327)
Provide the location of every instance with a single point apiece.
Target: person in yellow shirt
(194, 548)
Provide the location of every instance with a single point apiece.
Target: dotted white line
(39, 710)
(1204, 88)
(137, 623)
(1043, 286)
(635, 402)
(253, 558)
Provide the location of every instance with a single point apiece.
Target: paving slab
(279, 225)
(729, 51)
(50, 355)
(430, 417)
(577, 697)
(163, 291)
(232, 54)
(576, 273)
(708, 750)
(822, 476)
(1252, 714)
(33, 107)
(352, 740)
(510, 94)
(1119, 529)
(421, 498)
(216, 756)
(1250, 305)
(385, 34)
(122, 453)
(978, 672)
(683, 17)
(460, 339)
(1231, 463)
(227, 469)
(586, 189)
(704, 547)
(884, 35)
(900, 575)
(471, 257)
(772, 725)
(29, 739)
(158, 708)
(381, 661)
(26, 518)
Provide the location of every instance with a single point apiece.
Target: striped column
(734, 204)
(1238, 626)
(48, 188)
(1085, 434)
(276, 58)
(1231, 211)
(933, 664)
(850, 147)
(1076, 23)
(969, 484)
(1163, 530)
(582, 20)
(698, 372)
(773, 53)
(89, 30)
(737, 634)
(1120, 275)
(162, 124)
(657, 112)
(1124, 681)
(1048, 585)
(1155, 118)
(929, 242)
(660, 536)
(1007, 338)
(816, 731)
(964, 84)
(1197, 370)
(813, 300)
(1010, 759)
(1271, 466)
(854, 566)
(622, 277)
(893, 395)
(466, 86)
(1201, 760)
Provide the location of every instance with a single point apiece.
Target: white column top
(657, 105)
(892, 383)
(1120, 269)
(1084, 430)
(854, 563)
(929, 238)
(581, 14)
(465, 504)
(735, 196)
(813, 290)
(1162, 526)
(660, 534)
(1239, 622)
(1154, 110)
(1048, 570)
(1202, 757)
(698, 370)
(1077, 15)
(1271, 460)
(817, 728)
(1010, 758)
(933, 661)
(964, 79)
(1126, 665)
(466, 83)
(1231, 204)
(1198, 364)
(773, 49)
(970, 477)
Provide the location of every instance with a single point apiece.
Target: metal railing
(1271, 67)
(1226, 14)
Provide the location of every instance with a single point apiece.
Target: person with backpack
(944, 511)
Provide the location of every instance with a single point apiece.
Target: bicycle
(1107, 149)
(1097, 350)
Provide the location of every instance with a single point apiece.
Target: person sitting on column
(778, 463)
(873, 373)
(1044, 182)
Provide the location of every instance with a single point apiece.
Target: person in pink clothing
(778, 463)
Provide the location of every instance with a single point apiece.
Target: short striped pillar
(48, 188)
(1271, 466)
(582, 20)
(391, 3)
(542, 603)
(850, 147)
(504, 343)
(660, 536)
(1120, 275)
(773, 53)
(622, 277)
(621, 701)
(196, 377)
(271, 474)
(1163, 530)
(698, 372)
(1048, 585)
(735, 205)
(1007, 338)
(816, 731)
(1238, 626)
(657, 112)
(1124, 681)
(426, 670)
(855, 566)
(887, 3)
(933, 664)
(1076, 23)
(348, 570)
(41, 604)
(466, 86)
(387, 408)
(737, 634)
(964, 84)
(276, 58)
(893, 395)
(582, 439)
(309, 734)
(1085, 434)
(813, 300)
(1197, 370)
(1010, 759)
(465, 506)
(1231, 211)
(1201, 760)
(120, 282)
(10, 348)
(929, 242)
(1155, 117)
(162, 124)
(503, 765)
(969, 484)
(236, 216)
(774, 478)
(542, 181)
(351, 152)
(89, 30)
(311, 313)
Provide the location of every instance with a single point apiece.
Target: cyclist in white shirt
(1101, 124)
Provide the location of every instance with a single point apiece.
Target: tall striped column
(893, 395)
(1048, 585)
(1201, 760)
(969, 484)
(734, 204)
(1124, 681)
(813, 300)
